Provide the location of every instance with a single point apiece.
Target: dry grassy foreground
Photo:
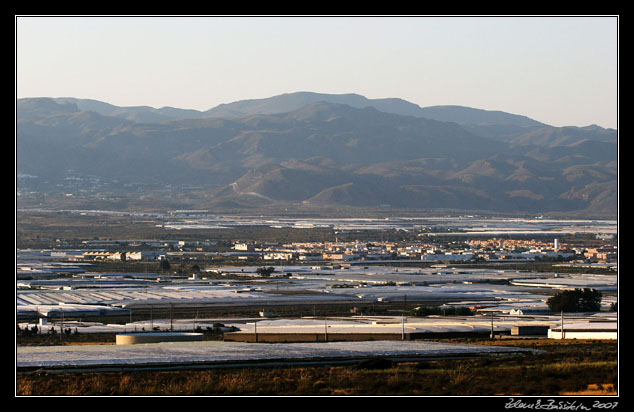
(568, 368)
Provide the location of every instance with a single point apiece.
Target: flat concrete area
(214, 354)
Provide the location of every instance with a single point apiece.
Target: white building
(446, 256)
(278, 256)
(117, 256)
(244, 247)
(585, 330)
(146, 255)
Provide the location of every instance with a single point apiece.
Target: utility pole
(325, 330)
(171, 318)
(403, 317)
(563, 335)
(492, 325)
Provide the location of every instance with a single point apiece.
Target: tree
(578, 300)
(164, 265)
(265, 271)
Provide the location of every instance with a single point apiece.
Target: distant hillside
(135, 113)
(309, 148)
(467, 115)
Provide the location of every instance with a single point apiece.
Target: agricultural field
(208, 283)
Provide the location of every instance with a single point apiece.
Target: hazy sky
(558, 70)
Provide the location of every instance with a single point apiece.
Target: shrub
(375, 363)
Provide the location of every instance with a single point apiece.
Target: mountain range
(323, 149)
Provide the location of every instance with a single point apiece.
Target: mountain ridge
(288, 102)
(325, 152)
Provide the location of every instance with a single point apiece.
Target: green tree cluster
(265, 271)
(578, 300)
(445, 311)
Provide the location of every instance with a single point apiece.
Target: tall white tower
(556, 246)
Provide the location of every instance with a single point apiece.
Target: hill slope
(301, 148)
